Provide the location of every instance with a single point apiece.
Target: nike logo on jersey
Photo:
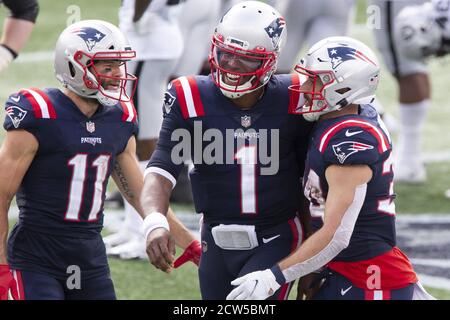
(343, 292)
(270, 239)
(15, 99)
(349, 134)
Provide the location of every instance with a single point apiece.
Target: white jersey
(397, 64)
(156, 35)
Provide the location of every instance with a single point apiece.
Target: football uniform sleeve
(19, 114)
(353, 146)
(167, 159)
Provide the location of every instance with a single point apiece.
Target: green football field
(137, 279)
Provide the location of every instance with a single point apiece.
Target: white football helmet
(417, 33)
(348, 70)
(245, 47)
(79, 46)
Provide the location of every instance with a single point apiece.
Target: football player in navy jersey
(59, 150)
(248, 153)
(348, 176)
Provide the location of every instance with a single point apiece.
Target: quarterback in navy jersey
(60, 149)
(349, 178)
(247, 188)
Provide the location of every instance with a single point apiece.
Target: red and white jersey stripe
(189, 97)
(383, 142)
(42, 106)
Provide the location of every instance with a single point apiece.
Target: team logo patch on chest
(344, 149)
(16, 115)
(246, 121)
(90, 126)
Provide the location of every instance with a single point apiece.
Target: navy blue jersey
(64, 188)
(356, 140)
(235, 187)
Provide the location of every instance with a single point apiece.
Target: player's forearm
(310, 248)
(4, 207)
(183, 237)
(156, 194)
(16, 33)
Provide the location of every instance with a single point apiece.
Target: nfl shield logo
(90, 126)
(246, 121)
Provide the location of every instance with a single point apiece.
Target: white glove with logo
(5, 58)
(257, 285)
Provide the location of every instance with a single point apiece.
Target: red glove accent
(192, 253)
(7, 282)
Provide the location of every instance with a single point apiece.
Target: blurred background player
(17, 29)
(152, 29)
(423, 32)
(197, 21)
(411, 75)
(310, 21)
(348, 171)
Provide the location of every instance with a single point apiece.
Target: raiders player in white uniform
(196, 22)
(414, 92)
(422, 32)
(152, 29)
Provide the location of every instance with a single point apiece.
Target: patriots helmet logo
(16, 115)
(91, 36)
(344, 53)
(169, 100)
(344, 149)
(274, 30)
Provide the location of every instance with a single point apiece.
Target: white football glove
(5, 58)
(257, 285)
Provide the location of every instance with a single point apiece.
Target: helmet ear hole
(72, 70)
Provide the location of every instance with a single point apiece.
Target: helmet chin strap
(228, 92)
(110, 101)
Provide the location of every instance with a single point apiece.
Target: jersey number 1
(77, 186)
(248, 157)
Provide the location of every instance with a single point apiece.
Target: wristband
(152, 221)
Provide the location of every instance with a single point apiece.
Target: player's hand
(258, 285)
(161, 249)
(191, 253)
(5, 58)
(7, 283)
(308, 286)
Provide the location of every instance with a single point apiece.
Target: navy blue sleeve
(19, 114)
(168, 155)
(352, 146)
